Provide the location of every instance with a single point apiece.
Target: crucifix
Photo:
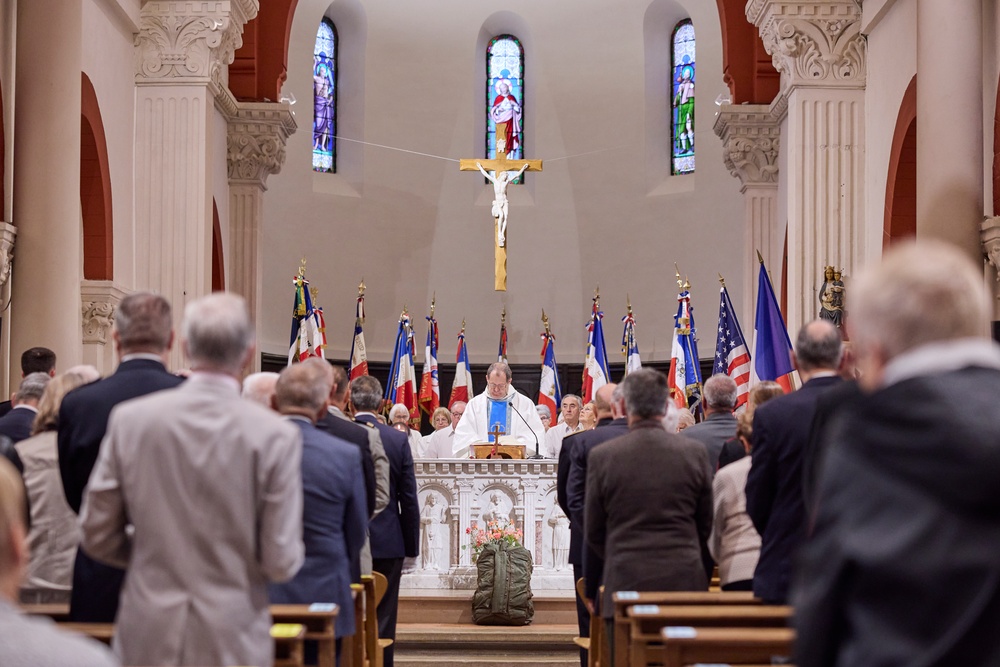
(503, 172)
(496, 433)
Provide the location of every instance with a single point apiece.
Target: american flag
(732, 357)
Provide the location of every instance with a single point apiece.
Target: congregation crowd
(180, 508)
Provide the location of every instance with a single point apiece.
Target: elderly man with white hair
(570, 409)
(198, 493)
(259, 387)
(719, 424)
(902, 563)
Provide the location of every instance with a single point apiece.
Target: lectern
(489, 450)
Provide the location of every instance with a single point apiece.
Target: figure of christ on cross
(504, 171)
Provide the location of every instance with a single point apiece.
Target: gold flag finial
(722, 280)
(361, 287)
(314, 291)
(503, 315)
(687, 283)
(302, 268)
(760, 257)
(677, 272)
(545, 321)
(628, 303)
(433, 302)
(463, 325)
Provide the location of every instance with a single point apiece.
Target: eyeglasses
(502, 385)
(457, 414)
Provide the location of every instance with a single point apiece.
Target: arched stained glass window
(505, 98)
(325, 98)
(682, 72)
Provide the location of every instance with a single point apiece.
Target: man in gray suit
(212, 485)
(719, 424)
(648, 510)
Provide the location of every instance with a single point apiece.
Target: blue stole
(498, 413)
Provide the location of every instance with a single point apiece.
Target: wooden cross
(496, 432)
(500, 164)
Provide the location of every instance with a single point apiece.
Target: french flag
(630, 348)
(684, 377)
(430, 391)
(772, 348)
(549, 392)
(461, 388)
(359, 357)
(402, 385)
(595, 371)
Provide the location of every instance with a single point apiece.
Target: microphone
(535, 435)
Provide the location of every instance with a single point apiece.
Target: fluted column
(751, 138)
(950, 122)
(256, 142)
(817, 47)
(181, 50)
(45, 285)
(8, 233)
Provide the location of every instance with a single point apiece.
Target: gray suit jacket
(213, 487)
(713, 433)
(648, 512)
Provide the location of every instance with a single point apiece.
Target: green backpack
(503, 589)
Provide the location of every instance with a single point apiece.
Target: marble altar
(456, 494)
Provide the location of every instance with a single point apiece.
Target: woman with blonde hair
(588, 416)
(54, 534)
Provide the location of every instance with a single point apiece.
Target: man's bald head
(603, 400)
(818, 347)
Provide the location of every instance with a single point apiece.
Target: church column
(817, 47)
(256, 142)
(45, 292)
(950, 122)
(465, 484)
(532, 524)
(181, 51)
(750, 136)
(99, 302)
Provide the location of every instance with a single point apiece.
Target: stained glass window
(682, 73)
(325, 98)
(505, 98)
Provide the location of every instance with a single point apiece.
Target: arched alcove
(900, 219)
(95, 189)
(746, 67)
(260, 65)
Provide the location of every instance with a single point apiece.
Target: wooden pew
(596, 644)
(375, 588)
(58, 612)
(736, 646)
(624, 599)
(647, 621)
(289, 641)
(352, 652)
(102, 632)
(318, 620)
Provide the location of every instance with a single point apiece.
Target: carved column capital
(8, 233)
(99, 301)
(989, 236)
(189, 39)
(255, 143)
(816, 42)
(750, 136)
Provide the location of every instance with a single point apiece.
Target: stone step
(484, 659)
(455, 606)
(466, 645)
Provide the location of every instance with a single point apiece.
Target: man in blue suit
(334, 513)
(780, 435)
(143, 335)
(395, 532)
(17, 423)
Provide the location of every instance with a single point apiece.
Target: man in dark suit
(142, 335)
(719, 424)
(17, 423)
(33, 360)
(571, 492)
(780, 435)
(395, 533)
(902, 568)
(648, 508)
(334, 512)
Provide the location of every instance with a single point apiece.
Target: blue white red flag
(630, 348)
(684, 377)
(502, 350)
(359, 357)
(402, 384)
(732, 357)
(772, 347)
(461, 388)
(595, 364)
(430, 390)
(549, 392)
(308, 336)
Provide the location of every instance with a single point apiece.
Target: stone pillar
(45, 287)
(529, 488)
(181, 50)
(950, 122)
(750, 136)
(256, 142)
(465, 484)
(99, 302)
(818, 49)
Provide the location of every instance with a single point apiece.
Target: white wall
(604, 211)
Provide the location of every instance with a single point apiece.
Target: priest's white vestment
(475, 424)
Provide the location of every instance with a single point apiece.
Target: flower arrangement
(496, 532)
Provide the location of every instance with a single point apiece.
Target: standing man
(33, 360)
(395, 533)
(143, 335)
(440, 444)
(719, 424)
(908, 518)
(335, 516)
(780, 433)
(500, 405)
(16, 424)
(570, 408)
(649, 500)
(198, 492)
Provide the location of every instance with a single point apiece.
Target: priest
(499, 406)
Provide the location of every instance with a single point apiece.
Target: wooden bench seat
(319, 620)
(289, 644)
(735, 646)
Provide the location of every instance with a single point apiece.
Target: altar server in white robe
(499, 404)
